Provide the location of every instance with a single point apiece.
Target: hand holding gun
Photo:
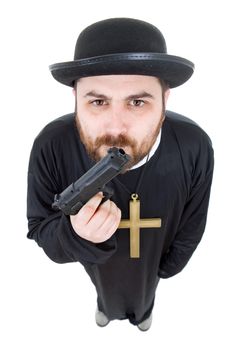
(93, 217)
(72, 199)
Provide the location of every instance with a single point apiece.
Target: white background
(50, 306)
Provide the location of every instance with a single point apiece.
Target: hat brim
(172, 69)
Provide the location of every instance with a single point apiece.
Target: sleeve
(193, 220)
(53, 230)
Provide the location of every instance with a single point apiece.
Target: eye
(137, 103)
(98, 102)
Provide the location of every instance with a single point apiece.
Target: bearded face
(97, 148)
(121, 111)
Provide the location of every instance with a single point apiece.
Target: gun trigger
(107, 192)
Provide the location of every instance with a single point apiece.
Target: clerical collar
(148, 156)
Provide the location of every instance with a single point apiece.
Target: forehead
(121, 83)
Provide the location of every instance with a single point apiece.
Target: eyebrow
(139, 95)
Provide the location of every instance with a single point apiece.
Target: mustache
(113, 141)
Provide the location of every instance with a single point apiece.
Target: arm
(53, 230)
(193, 220)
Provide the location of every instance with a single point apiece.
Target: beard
(97, 148)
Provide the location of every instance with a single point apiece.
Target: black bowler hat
(122, 46)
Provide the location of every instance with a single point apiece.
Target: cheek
(145, 126)
(83, 118)
(90, 127)
(149, 130)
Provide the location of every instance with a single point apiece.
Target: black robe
(175, 187)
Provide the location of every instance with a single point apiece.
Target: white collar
(152, 152)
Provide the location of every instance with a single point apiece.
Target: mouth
(119, 146)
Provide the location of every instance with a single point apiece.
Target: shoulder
(194, 144)
(57, 127)
(56, 133)
(186, 131)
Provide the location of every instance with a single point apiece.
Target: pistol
(95, 180)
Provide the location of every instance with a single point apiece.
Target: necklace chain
(135, 194)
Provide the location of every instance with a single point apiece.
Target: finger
(113, 222)
(101, 214)
(88, 210)
(110, 225)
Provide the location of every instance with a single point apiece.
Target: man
(121, 77)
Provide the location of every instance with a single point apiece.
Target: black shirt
(176, 187)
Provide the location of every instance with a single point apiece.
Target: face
(125, 111)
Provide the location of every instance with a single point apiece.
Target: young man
(121, 76)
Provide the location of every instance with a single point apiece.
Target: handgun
(95, 180)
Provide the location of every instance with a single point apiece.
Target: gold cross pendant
(135, 223)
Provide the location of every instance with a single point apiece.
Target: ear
(74, 92)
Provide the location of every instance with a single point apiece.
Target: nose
(116, 121)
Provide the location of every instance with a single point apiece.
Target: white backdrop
(50, 306)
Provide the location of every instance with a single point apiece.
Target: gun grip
(107, 192)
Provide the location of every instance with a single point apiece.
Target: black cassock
(176, 187)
